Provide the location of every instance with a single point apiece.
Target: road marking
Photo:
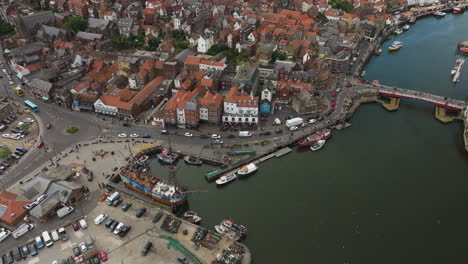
(34, 261)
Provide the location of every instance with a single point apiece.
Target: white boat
(453, 72)
(406, 27)
(398, 31)
(318, 145)
(247, 169)
(192, 217)
(221, 229)
(226, 178)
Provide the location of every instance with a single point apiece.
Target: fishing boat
(412, 20)
(226, 179)
(318, 145)
(221, 229)
(453, 72)
(247, 169)
(378, 52)
(192, 217)
(193, 161)
(167, 157)
(236, 231)
(457, 10)
(406, 27)
(143, 158)
(396, 45)
(439, 14)
(325, 133)
(398, 31)
(312, 139)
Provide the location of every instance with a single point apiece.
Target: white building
(240, 107)
(102, 108)
(204, 44)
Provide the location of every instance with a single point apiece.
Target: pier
(458, 69)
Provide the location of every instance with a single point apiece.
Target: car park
(126, 206)
(100, 218)
(146, 248)
(141, 212)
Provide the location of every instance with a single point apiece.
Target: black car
(13, 117)
(88, 261)
(320, 118)
(71, 260)
(231, 136)
(124, 230)
(279, 131)
(96, 260)
(146, 248)
(49, 126)
(19, 153)
(16, 253)
(76, 251)
(141, 212)
(33, 249)
(14, 130)
(113, 226)
(9, 258)
(204, 136)
(157, 216)
(146, 136)
(89, 176)
(126, 206)
(126, 124)
(109, 223)
(25, 250)
(117, 202)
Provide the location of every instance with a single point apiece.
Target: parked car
(33, 249)
(117, 202)
(24, 250)
(134, 135)
(349, 85)
(338, 90)
(118, 228)
(146, 248)
(188, 134)
(126, 124)
(164, 132)
(49, 126)
(141, 212)
(83, 247)
(113, 226)
(157, 216)
(204, 136)
(100, 218)
(218, 141)
(279, 131)
(293, 128)
(103, 256)
(334, 94)
(146, 136)
(96, 260)
(215, 136)
(109, 223)
(124, 230)
(70, 260)
(75, 226)
(16, 253)
(40, 145)
(76, 251)
(182, 259)
(231, 136)
(122, 135)
(126, 206)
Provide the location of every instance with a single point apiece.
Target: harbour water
(393, 188)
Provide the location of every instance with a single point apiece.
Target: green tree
(76, 24)
(322, 17)
(5, 153)
(217, 48)
(72, 129)
(25, 127)
(6, 28)
(343, 5)
(182, 44)
(278, 56)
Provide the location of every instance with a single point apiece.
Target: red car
(334, 94)
(75, 226)
(333, 109)
(103, 256)
(349, 85)
(40, 144)
(333, 104)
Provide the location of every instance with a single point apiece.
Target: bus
(19, 91)
(32, 106)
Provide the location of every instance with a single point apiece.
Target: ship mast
(172, 168)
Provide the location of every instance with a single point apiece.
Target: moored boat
(457, 10)
(439, 14)
(396, 45)
(318, 145)
(378, 52)
(309, 141)
(143, 158)
(453, 72)
(324, 133)
(406, 27)
(193, 161)
(167, 157)
(192, 217)
(412, 20)
(247, 169)
(226, 179)
(398, 31)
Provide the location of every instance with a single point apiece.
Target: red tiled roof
(192, 60)
(14, 208)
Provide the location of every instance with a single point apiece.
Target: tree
(25, 127)
(71, 129)
(76, 24)
(343, 5)
(322, 17)
(6, 28)
(277, 56)
(5, 153)
(216, 48)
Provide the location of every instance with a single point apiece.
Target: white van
(245, 134)
(47, 240)
(112, 198)
(55, 236)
